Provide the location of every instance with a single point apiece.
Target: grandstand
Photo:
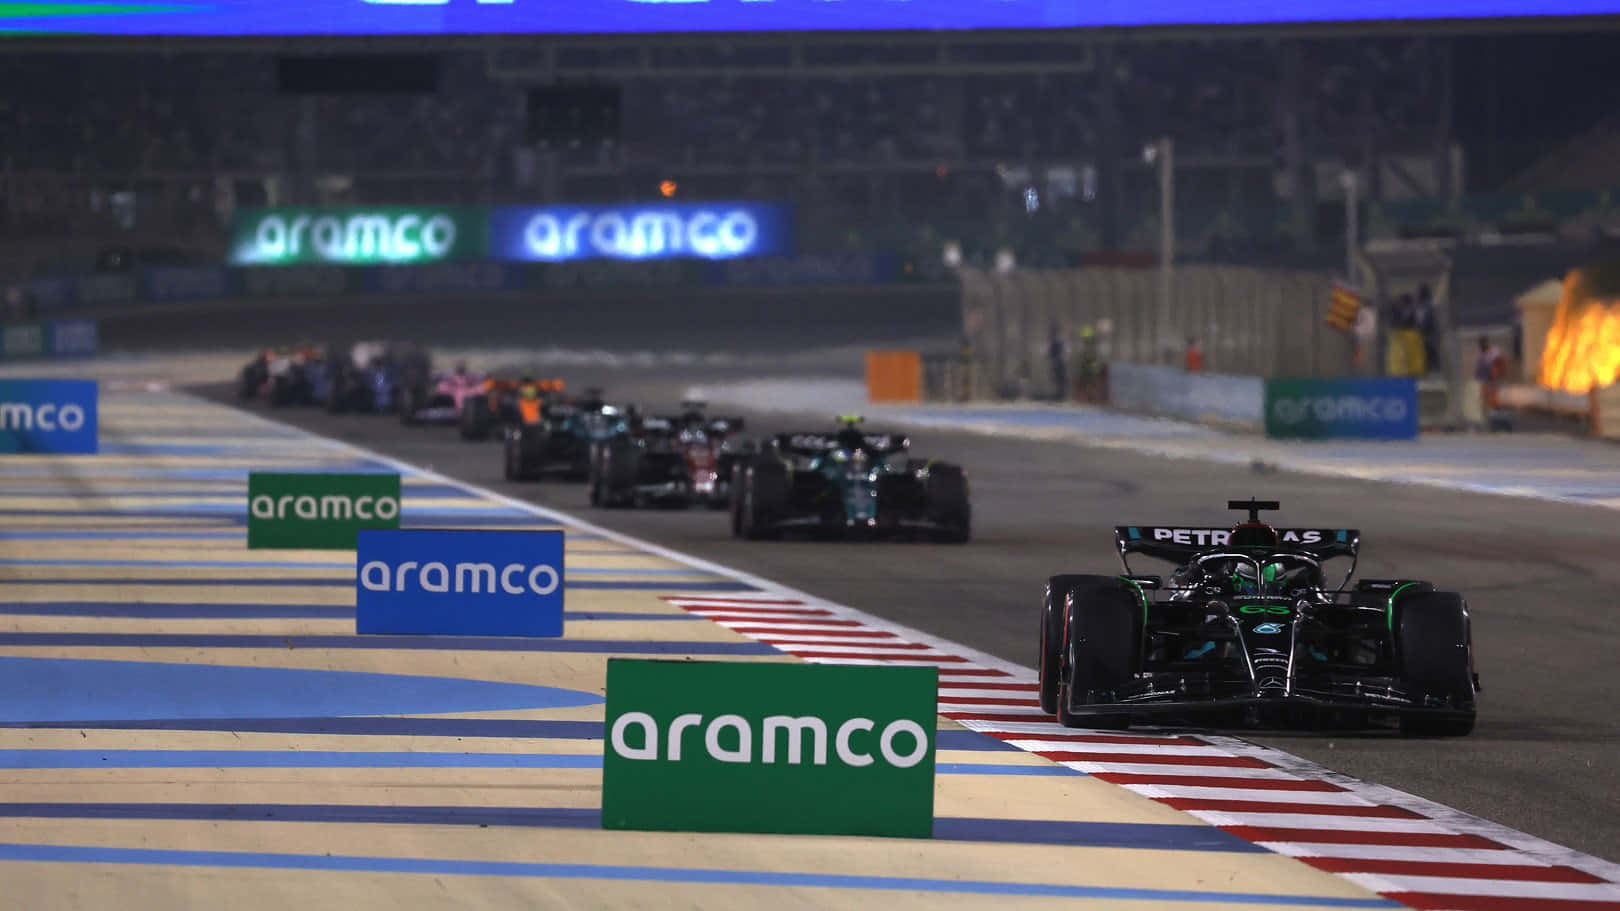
(908, 140)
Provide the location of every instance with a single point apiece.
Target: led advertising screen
(572, 17)
(398, 235)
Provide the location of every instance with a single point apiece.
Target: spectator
(1403, 315)
(1489, 368)
(1195, 356)
(1425, 321)
(1057, 351)
(1091, 368)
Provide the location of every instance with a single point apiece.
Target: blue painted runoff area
(708, 585)
(148, 610)
(314, 564)
(367, 864)
(1137, 835)
(423, 727)
(368, 759)
(402, 643)
(34, 690)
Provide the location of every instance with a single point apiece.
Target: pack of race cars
(1246, 626)
(839, 481)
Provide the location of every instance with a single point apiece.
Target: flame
(1583, 345)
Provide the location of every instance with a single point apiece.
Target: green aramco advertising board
(708, 746)
(354, 236)
(318, 511)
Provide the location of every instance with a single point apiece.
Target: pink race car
(442, 401)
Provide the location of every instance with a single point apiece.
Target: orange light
(667, 188)
(1583, 345)
(941, 172)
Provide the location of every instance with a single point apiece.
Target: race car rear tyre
(1435, 648)
(1100, 650)
(947, 492)
(474, 419)
(516, 470)
(407, 408)
(764, 495)
(1050, 660)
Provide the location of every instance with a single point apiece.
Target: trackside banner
(1321, 409)
(706, 746)
(318, 511)
(62, 338)
(48, 416)
(435, 582)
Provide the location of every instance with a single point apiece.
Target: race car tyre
(1435, 649)
(1100, 648)
(407, 407)
(516, 470)
(281, 392)
(1050, 660)
(762, 498)
(250, 382)
(474, 420)
(947, 492)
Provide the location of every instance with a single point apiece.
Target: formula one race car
(1247, 627)
(555, 438)
(641, 463)
(497, 404)
(711, 453)
(286, 376)
(369, 377)
(440, 399)
(846, 482)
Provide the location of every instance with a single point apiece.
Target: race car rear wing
(812, 444)
(1179, 544)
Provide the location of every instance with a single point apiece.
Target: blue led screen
(566, 17)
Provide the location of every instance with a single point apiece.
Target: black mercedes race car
(1248, 626)
(847, 482)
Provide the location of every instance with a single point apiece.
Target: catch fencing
(1245, 321)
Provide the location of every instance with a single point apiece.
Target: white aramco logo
(1338, 409)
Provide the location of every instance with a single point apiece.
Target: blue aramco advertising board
(1321, 409)
(700, 230)
(48, 416)
(435, 582)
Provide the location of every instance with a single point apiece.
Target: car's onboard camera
(1248, 628)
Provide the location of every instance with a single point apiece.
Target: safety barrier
(1210, 398)
(1261, 322)
(894, 376)
(58, 338)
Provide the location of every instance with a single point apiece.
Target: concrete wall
(1209, 398)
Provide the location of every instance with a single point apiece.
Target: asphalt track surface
(1541, 579)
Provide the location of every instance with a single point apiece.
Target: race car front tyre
(1433, 642)
(947, 491)
(1050, 660)
(763, 497)
(1100, 649)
